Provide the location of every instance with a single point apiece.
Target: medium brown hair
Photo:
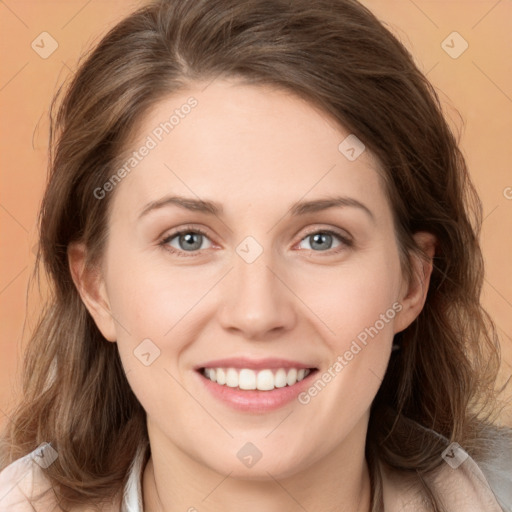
(338, 56)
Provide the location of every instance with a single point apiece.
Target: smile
(254, 387)
(262, 380)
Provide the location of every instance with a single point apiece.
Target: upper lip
(254, 364)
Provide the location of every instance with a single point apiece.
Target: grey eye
(321, 240)
(187, 241)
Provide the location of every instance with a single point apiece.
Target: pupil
(320, 237)
(189, 239)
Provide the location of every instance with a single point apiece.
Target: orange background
(478, 83)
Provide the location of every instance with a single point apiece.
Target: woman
(200, 352)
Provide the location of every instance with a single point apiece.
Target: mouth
(249, 379)
(257, 387)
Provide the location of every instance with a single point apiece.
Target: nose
(257, 303)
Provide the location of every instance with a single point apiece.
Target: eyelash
(164, 242)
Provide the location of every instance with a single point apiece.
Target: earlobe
(91, 286)
(415, 294)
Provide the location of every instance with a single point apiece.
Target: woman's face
(268, 284)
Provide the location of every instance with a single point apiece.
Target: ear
(414, 293)
(91, 287)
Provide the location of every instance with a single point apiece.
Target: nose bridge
(256, 299)
(254, 279)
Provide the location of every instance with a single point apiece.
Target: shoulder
(458, 485)
(24, 487)
(462, 485)
(20, 482)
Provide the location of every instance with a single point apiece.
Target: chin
(267, 468)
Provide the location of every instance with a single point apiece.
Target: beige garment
(24, 479)
(460, 489)
(463, 488)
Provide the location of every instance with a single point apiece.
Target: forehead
(247, 146)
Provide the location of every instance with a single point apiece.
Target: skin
(256, 150)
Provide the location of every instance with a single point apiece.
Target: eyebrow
(296, 209)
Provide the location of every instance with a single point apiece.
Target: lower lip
(255, 400)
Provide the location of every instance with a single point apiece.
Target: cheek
(149, 295)
(353, 296)
(363, 320)
(358, 311)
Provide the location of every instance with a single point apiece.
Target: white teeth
(280, 378)
(221, 375)
(291, 378)
(211, 374)
(232, 378)
(247, 379)
(263, 380)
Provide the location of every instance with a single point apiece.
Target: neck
(175, 482)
